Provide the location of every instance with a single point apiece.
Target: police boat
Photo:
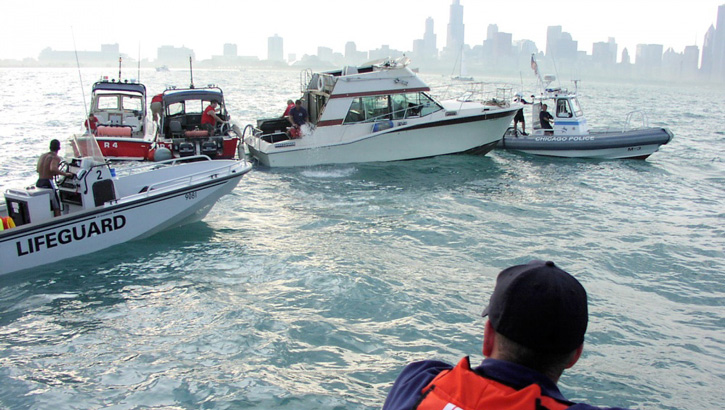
(100, 209)
(571, 137)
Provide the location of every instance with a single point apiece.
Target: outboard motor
(209, 148)
(186, 149)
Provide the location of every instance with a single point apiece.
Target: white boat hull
(327, 145)
(133, 217)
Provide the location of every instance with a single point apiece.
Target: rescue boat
(100, 209)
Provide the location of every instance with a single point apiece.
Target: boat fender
(320, 83)
(162, 154)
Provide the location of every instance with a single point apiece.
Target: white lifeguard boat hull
(171, 195)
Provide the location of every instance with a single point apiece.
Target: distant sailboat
(461, 66)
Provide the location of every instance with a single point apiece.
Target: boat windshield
(87, 146)
(577, 108)
(392, 107)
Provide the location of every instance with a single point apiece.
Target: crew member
(297, 117)
(156, 106)
(91, 123)
(48, 168)
(519, 117)
(209, 117)
(545, 118)
(537, 318)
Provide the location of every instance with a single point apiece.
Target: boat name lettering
(284, 144)
(108, 145)
(190, 195)
(69, 235)
(565, 139)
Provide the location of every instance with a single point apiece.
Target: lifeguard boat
(100, 209)
(381, 111)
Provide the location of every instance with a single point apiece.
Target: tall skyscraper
(230, 50)
(275, 48)
(430, 46)
(718, 73)
(455, 38)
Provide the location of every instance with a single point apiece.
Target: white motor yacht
(378, 112)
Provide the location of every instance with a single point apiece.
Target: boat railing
(634, 115)
(481, 92)
(181, 182)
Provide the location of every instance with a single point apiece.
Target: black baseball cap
(539, 306)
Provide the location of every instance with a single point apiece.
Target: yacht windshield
(395, 107)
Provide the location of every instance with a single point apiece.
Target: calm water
(311, 288)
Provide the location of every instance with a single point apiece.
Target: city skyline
(305, 26)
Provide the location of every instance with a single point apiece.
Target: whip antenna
(80, 78)
(191, 73)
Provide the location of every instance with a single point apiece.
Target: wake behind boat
(377, 112)
(100, 209)
(571, 137)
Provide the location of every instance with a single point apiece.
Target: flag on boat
(534, 66)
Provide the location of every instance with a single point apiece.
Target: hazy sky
(31, 25)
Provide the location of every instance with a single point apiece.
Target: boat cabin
(564, 107)
(120, 107)
(378, 96)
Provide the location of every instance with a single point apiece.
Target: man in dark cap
(537, 317)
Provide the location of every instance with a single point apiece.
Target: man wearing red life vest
(209, 117)
(537, 317)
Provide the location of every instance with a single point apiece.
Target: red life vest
(463, 389)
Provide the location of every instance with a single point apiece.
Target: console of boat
(100, 209)
(381, 111)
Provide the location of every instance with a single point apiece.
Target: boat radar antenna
(138, 75)
(119, 69)
(191, 73)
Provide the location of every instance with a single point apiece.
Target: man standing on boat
(519, 117)
(297, 117)
(157, 106)
(209, 117)
(537, 318)
(48, 168)
(545, 118)
(91, 123)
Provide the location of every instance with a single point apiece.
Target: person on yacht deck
(297, 117)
